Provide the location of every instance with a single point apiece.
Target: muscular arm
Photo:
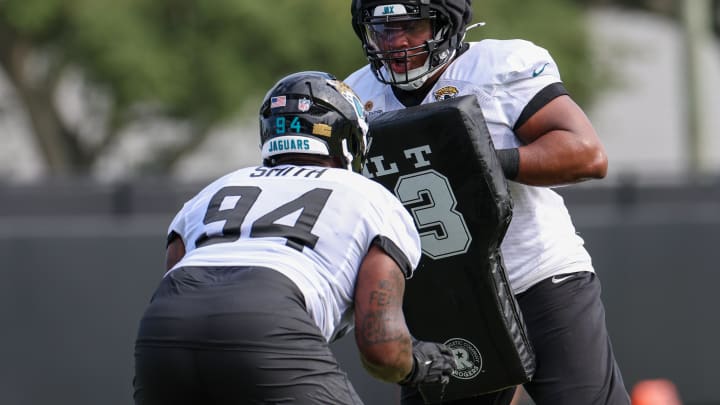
(175, 251)
(380, 330)
(561, 146)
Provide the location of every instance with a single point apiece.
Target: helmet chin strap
(348, 156)
(418, 82)
(415, 84)
(424, 72)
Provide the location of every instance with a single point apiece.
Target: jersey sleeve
(524, 71)
(177, 225)
(183, 222)
(396, 233)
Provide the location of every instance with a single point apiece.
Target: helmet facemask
(381, 22)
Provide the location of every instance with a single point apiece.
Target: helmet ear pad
(313, 113)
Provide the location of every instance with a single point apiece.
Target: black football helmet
(448, 18)
(314, 113)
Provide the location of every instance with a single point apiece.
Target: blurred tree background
(190, 63)
(194, 66)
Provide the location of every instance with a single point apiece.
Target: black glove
(432, 363)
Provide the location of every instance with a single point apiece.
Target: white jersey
(312, 224)
(504, 75)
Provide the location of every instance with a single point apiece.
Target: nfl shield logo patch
(304, 104)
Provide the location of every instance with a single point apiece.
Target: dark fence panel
(78, 262)
(70, 308)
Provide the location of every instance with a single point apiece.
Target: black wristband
(510, 162)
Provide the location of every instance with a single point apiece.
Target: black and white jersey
(312, 224)
(506, 76)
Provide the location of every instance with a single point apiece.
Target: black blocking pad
(440, 161)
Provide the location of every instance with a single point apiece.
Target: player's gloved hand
(432, 363)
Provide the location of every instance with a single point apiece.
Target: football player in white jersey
(417, 55)
(267, 265)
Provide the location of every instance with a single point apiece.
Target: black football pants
(233, 336)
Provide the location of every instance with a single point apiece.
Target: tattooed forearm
(377, 328)
(380, 329)
(380, 298)
(384, 321)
